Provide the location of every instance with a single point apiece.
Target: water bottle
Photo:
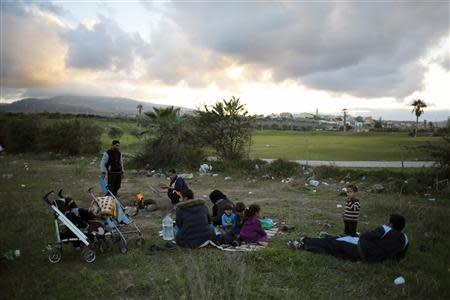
(167, 225)
(11, 254)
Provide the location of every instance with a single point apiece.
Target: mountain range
(95, 105)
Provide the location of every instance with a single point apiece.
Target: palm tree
(344, 110)
(139, 108)
(418, 106)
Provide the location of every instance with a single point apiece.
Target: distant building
(306, 116)
(286, 115)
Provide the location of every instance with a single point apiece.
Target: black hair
(240, 207)
(172, 171)
(187, 193)
(397, 221)
(228, 206)
(251, 211)
(216, 195)
(353, 187)
(114, 142)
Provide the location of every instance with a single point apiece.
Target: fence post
(402, 157)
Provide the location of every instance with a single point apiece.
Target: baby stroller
(121, 225)
(72, 226)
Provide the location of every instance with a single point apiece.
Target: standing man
(177, 184)
(112, 164)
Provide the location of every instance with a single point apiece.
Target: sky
(371, 57)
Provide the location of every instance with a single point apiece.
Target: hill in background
(105, 106)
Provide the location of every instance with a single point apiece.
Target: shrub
(283, 168)
(71, 137)
(21, 134)
(245, 166)
(170, 141)
(136, 132)
(115, 132)
(32, 133)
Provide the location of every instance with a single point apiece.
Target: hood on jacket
(216, 195)
(190, 203)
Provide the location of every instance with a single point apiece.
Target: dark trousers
(350, 227)
(330, 245)
(114, 181)
(174, 198)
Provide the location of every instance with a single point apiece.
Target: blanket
(244, 247)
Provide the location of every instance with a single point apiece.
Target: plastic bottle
(167, 225)
(11, 254)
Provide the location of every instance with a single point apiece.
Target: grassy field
(337, 145)
(308, 145)
(276, 272)
(295, 145)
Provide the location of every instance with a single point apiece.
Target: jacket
(252, 231)
(111, 162)
(193, 221)
(382, 243)
(177, 184)
(218, 209)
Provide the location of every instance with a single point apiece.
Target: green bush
(283, 168)
(71, 137)
(21, 134)
(33, 133)
(136, 132)
(115, 132)
(244, 167)
(258, 167)
(170, 141)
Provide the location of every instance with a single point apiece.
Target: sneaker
(295, 244)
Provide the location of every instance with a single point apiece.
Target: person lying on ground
(219, 201)
(252, 230)
(385, 242)
(193, 221)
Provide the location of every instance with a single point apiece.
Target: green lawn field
(338, 146)
(276, 272)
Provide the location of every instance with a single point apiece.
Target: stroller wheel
(123, 248)
(55, 255)
(88, 255)
(140, 242)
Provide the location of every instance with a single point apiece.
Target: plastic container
(167, 225)
(399, 280)
(314, 183)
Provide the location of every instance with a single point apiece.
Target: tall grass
(276, 272)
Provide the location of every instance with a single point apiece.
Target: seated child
(228, 218)
(239, 211)
(252, 230)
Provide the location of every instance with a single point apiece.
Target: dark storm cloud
(367, 49)
(104, 47)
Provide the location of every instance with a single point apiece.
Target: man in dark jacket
(385, 242)
(176, 185)
(193, 221)
(112, 164)
(219, 201)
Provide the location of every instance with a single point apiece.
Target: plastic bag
(267, 223)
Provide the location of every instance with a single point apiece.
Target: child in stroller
(77, 226)
(81, 217)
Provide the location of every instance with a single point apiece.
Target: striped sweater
(351, 211)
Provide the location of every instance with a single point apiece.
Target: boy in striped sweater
(351, 211)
